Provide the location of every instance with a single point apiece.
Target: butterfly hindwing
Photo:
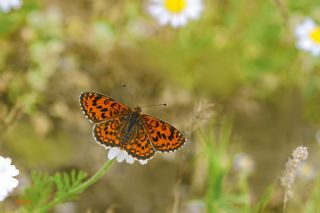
(164, 137)
(111, 134)
(139, 145)
(98, 107)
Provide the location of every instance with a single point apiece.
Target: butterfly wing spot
(98, 107)
(164, 137)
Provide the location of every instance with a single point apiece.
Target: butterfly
(116, 125)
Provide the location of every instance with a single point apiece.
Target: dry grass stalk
(291, 170)
(203, 112)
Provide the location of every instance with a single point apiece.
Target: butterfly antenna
(155, 105)
(132, 97)
(130, 94)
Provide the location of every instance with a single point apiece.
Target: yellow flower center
(315, 35)
(175, 6)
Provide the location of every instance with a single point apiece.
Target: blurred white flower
(7, 5)
(175, 12)
(243, 163)
(7, 182)
(122, 155)
(307, 172)
(195, 206)
(308, 37)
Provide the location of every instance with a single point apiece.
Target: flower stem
(93, 179)
(79, 188)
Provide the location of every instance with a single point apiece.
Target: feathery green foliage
(47, 191)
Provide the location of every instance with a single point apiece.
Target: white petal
(194, 9)
(7, 5)
(3, 191)
(305, 28)
(13, 183)
(155, 10)
(175, 21)
(5, 164)
(2, 197)
(16, 4)
(12, 171)
(304, 44)
(301, 31)
(113, 152)
(129, 159)
(309, 24)
(164, 18)
(8, 160)
(121, 156)
(7, 182)
(194, 13)
(143, 162)
(315, 51)
(183, 20)
(157, 1)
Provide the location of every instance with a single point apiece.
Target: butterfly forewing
(164, 137)
(98, 107)
(109, 133)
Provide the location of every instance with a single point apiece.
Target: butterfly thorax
(134, 119)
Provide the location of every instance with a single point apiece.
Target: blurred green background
(240, 56)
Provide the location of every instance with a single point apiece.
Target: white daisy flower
(122, 155)
(7, 172)
(175, 12)
(308, 37)
(7, 5)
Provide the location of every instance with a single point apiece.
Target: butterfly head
(137, 109)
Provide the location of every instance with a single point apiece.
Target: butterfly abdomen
(133, 120)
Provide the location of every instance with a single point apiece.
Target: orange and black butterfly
(116, 125)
